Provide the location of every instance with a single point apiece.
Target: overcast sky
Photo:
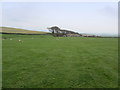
(83, 17)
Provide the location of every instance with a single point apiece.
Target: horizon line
(93, 33)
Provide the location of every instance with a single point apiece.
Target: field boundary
(48, 34)
(23, 33)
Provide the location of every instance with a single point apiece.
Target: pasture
(42, 61)
(21, 31)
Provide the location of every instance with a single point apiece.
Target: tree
(56, 31)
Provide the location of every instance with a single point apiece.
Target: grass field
(17, 30)
(59, 62)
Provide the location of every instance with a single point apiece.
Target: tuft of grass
(59, 62)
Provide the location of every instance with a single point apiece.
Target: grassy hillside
(59, 62)
(16, 30)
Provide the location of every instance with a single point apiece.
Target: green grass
(59, 62)
(0, 61)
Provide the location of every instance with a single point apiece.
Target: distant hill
(21, 31)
